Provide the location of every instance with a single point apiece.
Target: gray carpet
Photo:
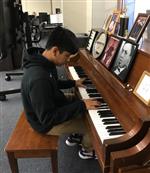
(69, 161)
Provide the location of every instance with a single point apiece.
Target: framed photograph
(113, 22)
(99, 44)
(138, 27)
(110, 51)
(142, 89)
(148, 26)
(91, 40)
(124, 59)
(106, 23)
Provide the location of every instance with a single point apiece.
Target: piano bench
(24, 142)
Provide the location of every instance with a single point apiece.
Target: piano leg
(135, 169)
(137, 155)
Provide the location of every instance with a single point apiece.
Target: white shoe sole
(86, 157)
(70, 144)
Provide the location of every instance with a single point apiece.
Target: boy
(47, 109)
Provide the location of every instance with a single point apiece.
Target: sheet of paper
(144, 88)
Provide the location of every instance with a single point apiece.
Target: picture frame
(91, 40)
(113, 22)
(107, 22)
(124, 59)
(99, 44)
(139, 26)
(148, 26)
(142, 89)
(110, 51)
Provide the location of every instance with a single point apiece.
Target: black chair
(32, 35)
(8, 78)
(35, 38)
(36, 35)
(8, 75)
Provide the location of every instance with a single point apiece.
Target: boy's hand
(79, 83)
(91, 104)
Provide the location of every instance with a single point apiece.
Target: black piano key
(100, 99)
(112, 127)
(87, 79)
(87, 82)
(81, 72)
(106, 115)
(104, 107)
(78, 67)
(110, 122)
(104, 104)
(82, 75)
(90, 86)
(104, 111)
(116, 133)
(115, 130)
(95, 95)
(91, 90)
(109, 119)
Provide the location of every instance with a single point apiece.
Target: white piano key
(73, 73)
(97, 121)
(83, 93)
(100, 127)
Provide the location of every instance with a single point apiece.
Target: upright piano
(120, 129)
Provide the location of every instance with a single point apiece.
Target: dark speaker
(10, 34)
(58, 11)
(123, 26)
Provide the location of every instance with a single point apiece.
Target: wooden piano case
(133, 148)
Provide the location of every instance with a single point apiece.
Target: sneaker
(84, 154)
(74, 139)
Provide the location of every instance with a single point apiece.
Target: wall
(141, 7)
(79, 15)
(75, 15)
(100, 10)
(57, 4)
(82, 15)
(40, 5)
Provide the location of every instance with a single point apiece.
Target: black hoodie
(44, 103)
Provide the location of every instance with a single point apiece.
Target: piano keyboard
(106, 124)
(92, 37)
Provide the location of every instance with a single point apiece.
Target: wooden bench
(27, 143)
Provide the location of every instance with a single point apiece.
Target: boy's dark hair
(64, 39)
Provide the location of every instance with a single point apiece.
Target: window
(141, 7)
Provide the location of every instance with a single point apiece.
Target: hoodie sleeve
(48, 114)
(65, 84)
